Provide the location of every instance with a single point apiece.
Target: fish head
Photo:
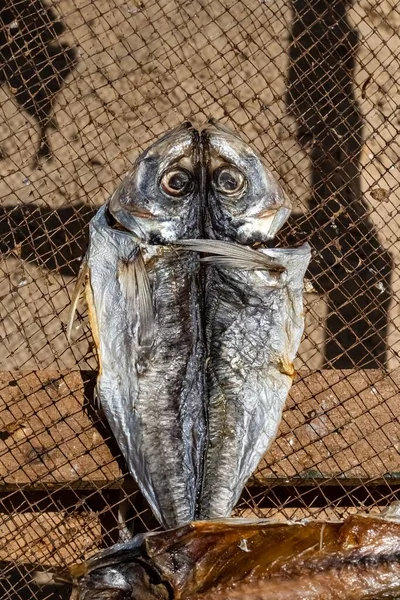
(245, 203)
(115, 582)
(120, 571)
(158, 200)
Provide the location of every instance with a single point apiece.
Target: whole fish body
(254, 316)
(356, 559)
(144, 307)
(148, 311)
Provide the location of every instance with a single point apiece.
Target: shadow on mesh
(350, 265)
(32, 62)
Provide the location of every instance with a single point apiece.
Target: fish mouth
(142, 213)
(174, 145)
(264, 226)
(218, 131)
(214, 123)
(173, 133)
(276, 219)
(267, 213)
(129, 225)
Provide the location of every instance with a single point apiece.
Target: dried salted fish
(144, 306)
(147, 317)
(357, 559)
(254, 316)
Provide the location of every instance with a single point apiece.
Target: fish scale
(154, 413)
(245, 404)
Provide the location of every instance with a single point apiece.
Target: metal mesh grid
(312, 84)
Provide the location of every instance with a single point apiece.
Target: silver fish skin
(144, 306)
(150, 391)
(159, 199)
(254, 316)
(245, 202)
(254, 324)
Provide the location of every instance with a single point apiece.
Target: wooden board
(336, 424)
(51, 538)
(48, 438)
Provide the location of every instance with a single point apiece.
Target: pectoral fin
(228, 254)
(79, 286)
(135, 285)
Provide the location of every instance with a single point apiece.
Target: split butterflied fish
(148, 307)
(253, 315)
(145, 313)
(243, 559)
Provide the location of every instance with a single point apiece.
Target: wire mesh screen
(85, 87)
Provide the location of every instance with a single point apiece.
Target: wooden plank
(328, 513)
(47, 436)
(336, 424)
(51, 538)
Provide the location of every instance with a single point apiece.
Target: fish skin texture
(262, 559)
(149, 391)
(254, 324)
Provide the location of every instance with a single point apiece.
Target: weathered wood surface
(51, 538)
(47, 438)
(336, 424)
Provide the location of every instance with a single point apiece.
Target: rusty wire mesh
(312, 84)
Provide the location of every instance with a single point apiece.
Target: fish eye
(176, 182)
(228, 180)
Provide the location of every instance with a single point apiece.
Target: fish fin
(83, 272)
(135, 284)
(93, 321)
(127, 280)
(228, 254)
(145, 301)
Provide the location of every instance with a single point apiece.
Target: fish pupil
(228, 181)
(178, 181)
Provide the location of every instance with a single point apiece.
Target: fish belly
(151, 393)
(253, 332)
